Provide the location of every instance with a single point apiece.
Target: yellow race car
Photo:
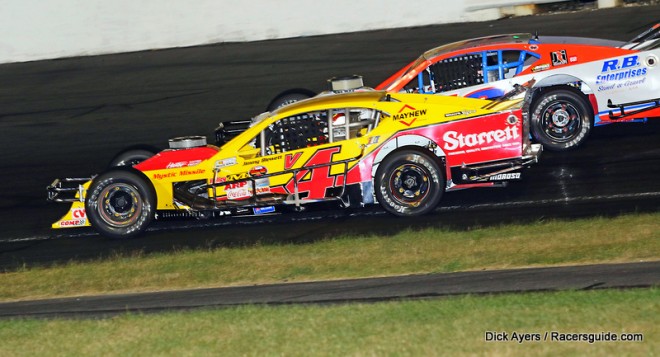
(399, 150)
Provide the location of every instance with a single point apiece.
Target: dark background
(69, 117)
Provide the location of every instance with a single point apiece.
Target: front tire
(561, 119)
(120, 204)
(409, 183)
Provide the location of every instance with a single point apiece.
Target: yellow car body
(399, 150)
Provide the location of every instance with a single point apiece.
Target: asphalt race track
(68, 117)
(633, 275)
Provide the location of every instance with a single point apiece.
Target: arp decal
(621, 73)
(559, 57)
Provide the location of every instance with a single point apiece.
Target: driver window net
(458, 72)
(299, 131)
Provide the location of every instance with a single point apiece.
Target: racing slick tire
(131, 157)
(287, 99)
(120, 203)
(561, 119)
(409, 183)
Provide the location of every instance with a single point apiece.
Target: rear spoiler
(650, 34)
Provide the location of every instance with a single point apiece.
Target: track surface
(67, 118)
(409, 287)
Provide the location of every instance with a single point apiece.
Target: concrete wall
(44, 29)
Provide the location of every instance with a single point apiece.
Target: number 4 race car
(580, 82)
(396, 149)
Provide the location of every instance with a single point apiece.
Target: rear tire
(131, 157)
(287, 99)
(409, 183)
(561, 119)
(120, 204)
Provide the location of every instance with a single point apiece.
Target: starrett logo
(410, 113)
(454, 140)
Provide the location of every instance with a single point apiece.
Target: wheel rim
(120, 205)
(409, 184)
(561, 121)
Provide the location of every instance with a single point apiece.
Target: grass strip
(626, 238)
(455, 326)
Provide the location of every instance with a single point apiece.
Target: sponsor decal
(258, 171)
(541, 67)
(456, 141)
(233, 177)
(512, 119)
(572, 59)
(264, 210)
(262, 186)
(79, 218)
(271, 158)
(78, 213)
(534, 47)
(464, 112)
(559, 57)
(183, 172)
(225, 163)
(290, 160)
(410, 113)
(509, 176)
(621, 73)
(73, 223)
(238, 191)
(373, 140)
(191, 172)
(176, 165)
(164, 176)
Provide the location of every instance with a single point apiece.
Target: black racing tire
(409, 183)
(120, 203)
(131, 157)
(287, 99)
(561, 119)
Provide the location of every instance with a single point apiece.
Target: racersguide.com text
(557, 336)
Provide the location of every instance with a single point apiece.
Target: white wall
(44, 29)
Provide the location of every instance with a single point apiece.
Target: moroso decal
(559, 57)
